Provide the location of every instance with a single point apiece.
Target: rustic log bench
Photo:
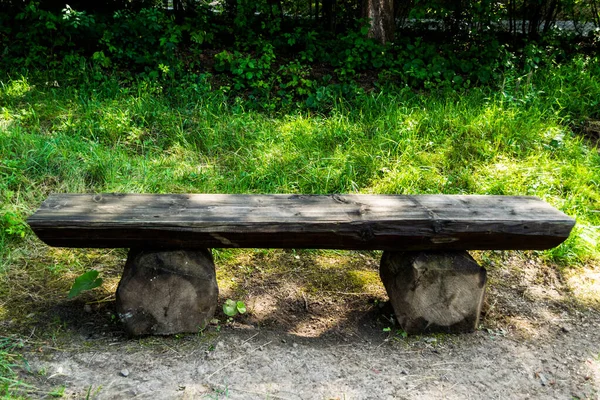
(169, 286)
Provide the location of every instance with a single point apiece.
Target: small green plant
(231, 308)
(86, 281)
(400, 333)
(58, 392)
(13, 225)
(90, 394)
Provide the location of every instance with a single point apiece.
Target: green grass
(9, 361)
(57, 137)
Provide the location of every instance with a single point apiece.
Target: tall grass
(10, 384)
(519, 140)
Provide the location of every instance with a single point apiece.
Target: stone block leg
(167, 292)
(434, 291)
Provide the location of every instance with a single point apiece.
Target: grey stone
(566, 329)
(434, 291)
(167, 292)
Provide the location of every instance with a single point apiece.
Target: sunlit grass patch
(309, 270)
(15, 88)
(584, 283)
(5, 118)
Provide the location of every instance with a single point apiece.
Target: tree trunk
(551, 14)
(381, 16)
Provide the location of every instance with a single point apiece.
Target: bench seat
(353, 222)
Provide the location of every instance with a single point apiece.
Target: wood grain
(376, 222)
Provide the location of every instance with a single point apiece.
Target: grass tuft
(10, 361)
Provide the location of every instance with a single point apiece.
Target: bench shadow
(308, 293)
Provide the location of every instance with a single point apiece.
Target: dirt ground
(539, 339)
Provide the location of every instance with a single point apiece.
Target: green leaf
(86, 281)
(388, 329)
(241, 307)
(230, 308)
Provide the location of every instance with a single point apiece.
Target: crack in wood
(433, 217)
(223, 240)
(440, 240)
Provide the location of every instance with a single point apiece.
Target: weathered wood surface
(384, 222)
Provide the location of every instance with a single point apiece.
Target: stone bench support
(434, 291)
(167, 292)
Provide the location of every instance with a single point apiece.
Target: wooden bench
(169, 285)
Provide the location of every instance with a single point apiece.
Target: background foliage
(293, 53)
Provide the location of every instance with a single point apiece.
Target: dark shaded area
(280, 53)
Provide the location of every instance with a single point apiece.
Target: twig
(172, 349)
(250, 338)
(92, 358)
(445, 363)
(305, 301)
(238, 359)
(348, 293)
(107, 299)
(421, 381)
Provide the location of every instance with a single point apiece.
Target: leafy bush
(251, 50)
(41, 38)
(359, 53)
(249, 71)
(141, 41)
